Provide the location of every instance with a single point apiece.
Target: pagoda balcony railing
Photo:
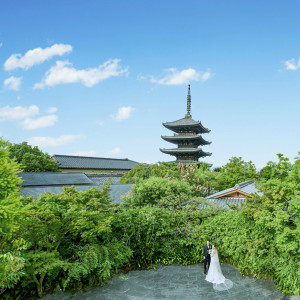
(187, 145)
(184, 134)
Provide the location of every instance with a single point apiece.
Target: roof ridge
(245, 183)
(96, 157)
(51, 173)
(182, 119)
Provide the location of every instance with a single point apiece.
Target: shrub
(154, 189)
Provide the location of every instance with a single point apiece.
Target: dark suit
(207, 256)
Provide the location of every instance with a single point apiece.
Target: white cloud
(141, 77)
(63, 72)
(51, 110)
(292, 64)
(114, 151)
(99, 122)
(35, 56)
(93, 153)
(47, 141)
(206, 75)
(176, 77)
(13, 83)
(1, 44)
(18, 112)
(41, 122)
(123, 113)
(8, 113)
(90, 153)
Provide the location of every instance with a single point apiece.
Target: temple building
(187, 136)
(98, 169)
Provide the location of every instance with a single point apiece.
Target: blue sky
(98, 78)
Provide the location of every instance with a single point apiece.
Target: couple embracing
(212, 268)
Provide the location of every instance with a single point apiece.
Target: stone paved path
(177, 282)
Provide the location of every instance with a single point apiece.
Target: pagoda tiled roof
(175, 151)
(186, 123)
(85, 162)
(198, 139)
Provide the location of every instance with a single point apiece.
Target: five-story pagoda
(187, 137)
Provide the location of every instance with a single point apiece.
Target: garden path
(177, 282)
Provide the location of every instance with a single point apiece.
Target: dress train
(215, 275)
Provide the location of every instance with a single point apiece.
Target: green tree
(68, 239)
(235, 171)
(154, 190)
(11, 263)
(199, 176)
(145, 171)
(11, 259)
(274, 170)
(207, 178)
(32, 158)
(9, 170)
(277, 214)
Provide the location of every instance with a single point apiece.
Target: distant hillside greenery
(75, 240)
(32, 159)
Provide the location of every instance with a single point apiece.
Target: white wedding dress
(215, 275)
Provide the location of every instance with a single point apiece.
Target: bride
(215, 275)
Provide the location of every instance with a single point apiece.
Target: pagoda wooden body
(187, 136)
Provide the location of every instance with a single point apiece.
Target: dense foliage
(201, 177)
(32, 158)
(262, 238)
(155, 191)
(11, 263)
(9, 169)
(74, 240)
(68, 241)
(235, 171)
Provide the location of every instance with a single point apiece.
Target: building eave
(186, 124)
(198, 139)
(233, 192)
(185, 150)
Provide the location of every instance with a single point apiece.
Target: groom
(206, 255)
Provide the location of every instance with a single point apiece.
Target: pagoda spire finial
(189, 102)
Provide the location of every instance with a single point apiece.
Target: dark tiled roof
(84, 162)
(198, 151)
(117, 190)
(35, 191)
(183, 150)
(186, 122)
(225, 202)
(246, 187)
(197, 139)
(101, 178)
(54, 178)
